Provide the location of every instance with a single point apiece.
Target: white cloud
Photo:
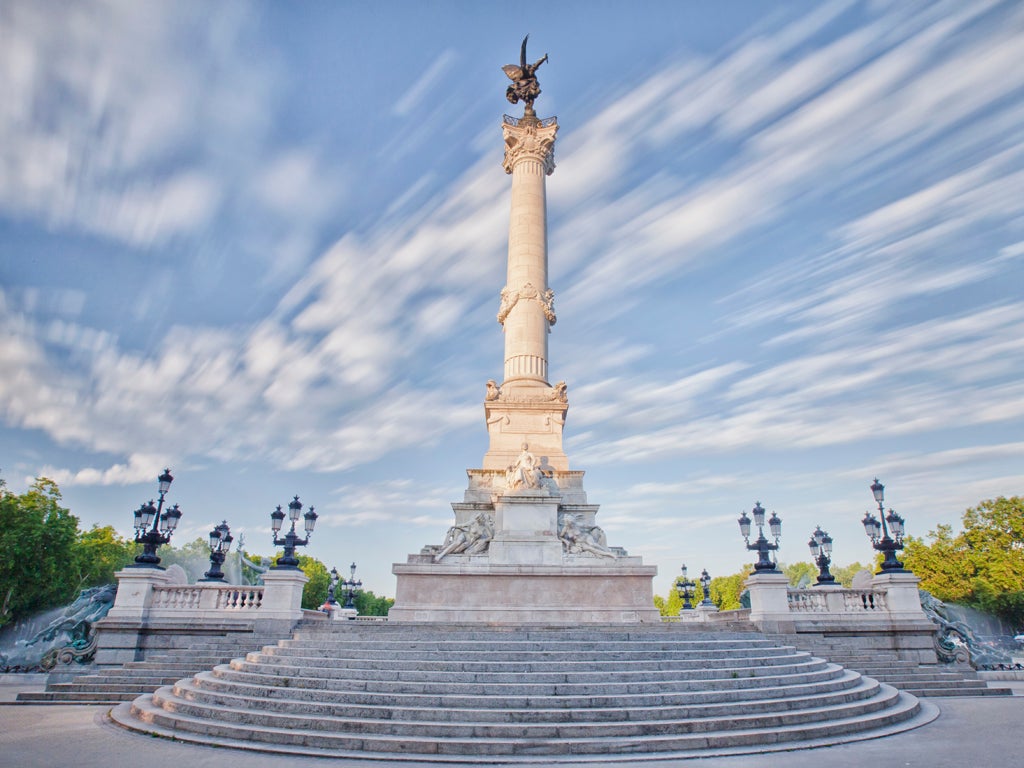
(421, 89)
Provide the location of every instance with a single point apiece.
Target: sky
(261, 243)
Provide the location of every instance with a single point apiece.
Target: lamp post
(762, 546)
(220, 543)
(163, 524)
(351, 585)
(685, 588)
(879, 532)
(705, 585)
(821, 550)
(291, 540)
(332, 602)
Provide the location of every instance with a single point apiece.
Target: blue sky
(262, 243)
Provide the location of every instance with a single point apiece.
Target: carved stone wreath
(510, 297)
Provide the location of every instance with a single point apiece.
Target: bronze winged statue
(524, 80)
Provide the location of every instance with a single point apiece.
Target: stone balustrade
(835, 600)
(215, 597)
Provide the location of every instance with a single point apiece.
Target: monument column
(525, 546)
(527, 310)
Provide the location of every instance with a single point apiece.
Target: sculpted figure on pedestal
(524, 86)
(525, 473)
(578, 539)
(493, 390)
(470, 538)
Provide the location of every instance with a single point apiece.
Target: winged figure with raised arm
(524, 80)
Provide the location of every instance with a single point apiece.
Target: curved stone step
(222, 680)
(505, 694)
(266, 738)
(851, 687)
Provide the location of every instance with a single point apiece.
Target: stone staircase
(117, 684)
(927, 680)
(465, 694)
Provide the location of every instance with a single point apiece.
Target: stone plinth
(616, 592)
(901, 594)
(282, 598)
(769, 599)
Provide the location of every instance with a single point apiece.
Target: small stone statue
(524, 86)
(559, 392)
(493, 390)
(525, 473)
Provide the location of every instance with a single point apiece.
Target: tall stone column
(527, 310)
(526, 409)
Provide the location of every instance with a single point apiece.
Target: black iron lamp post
(351, 585)
(762, 546)
(163, 524)
(685, 589)
(705, 585)
(879, 532)
(821, 550)
(331, 600)
(220, 543)
(291, 539)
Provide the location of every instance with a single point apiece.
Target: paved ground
(969, 733)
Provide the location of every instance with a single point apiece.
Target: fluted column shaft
(527, 310)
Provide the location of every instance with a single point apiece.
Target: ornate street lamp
(705, 585)
(163, 524)
(879, 532)
(291, 540)
(762, 546)
(330, 587)
(351, 585)
(220, 543)
(821, 551)
(685, 588)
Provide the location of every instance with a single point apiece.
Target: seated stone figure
(525, 473)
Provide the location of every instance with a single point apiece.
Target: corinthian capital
(530, 139)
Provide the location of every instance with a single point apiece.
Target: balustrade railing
(218, 597)
(177, 597)
(836, 601)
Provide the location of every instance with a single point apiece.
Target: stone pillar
(527, 310)
(282, 594)
(901, 595)
(769, 602)
(118, 634)
(135, 592)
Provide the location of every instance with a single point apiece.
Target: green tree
(795, 572)
(369, 604)
(99, 554)
(844, 573)
(314, 593)
(726, 590)
(37, 539)
(983, 565)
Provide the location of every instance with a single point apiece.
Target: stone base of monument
(460, 591)
(540, 562)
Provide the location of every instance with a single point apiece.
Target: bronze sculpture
(524, 80)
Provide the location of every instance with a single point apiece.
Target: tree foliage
(983, 565)
(369, 604)
(100, 553)
(314, 593)
(37, 538)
